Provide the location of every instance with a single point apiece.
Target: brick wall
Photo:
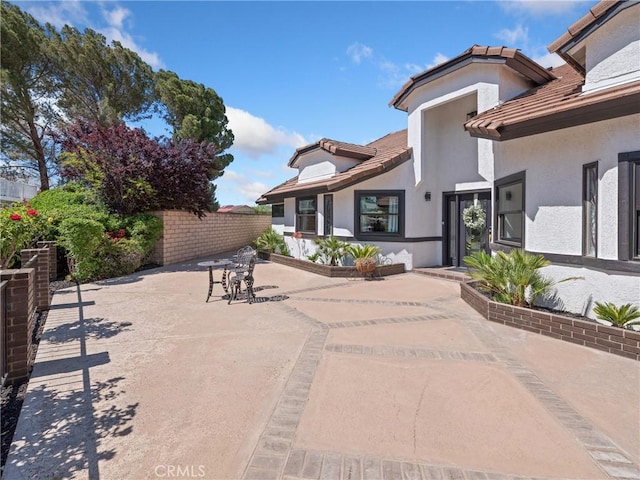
(20, 312)
(186, 237)
(39, 259)
(614, 340)
(53, 258)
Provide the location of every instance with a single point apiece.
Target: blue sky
(291, 73)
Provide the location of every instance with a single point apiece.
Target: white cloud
(516, 36)
(71, 12)
(249, 190)
(357, 51)
(116, 31)
(437, 60)
(540, 7)
(392, 75)
(255, 137)
(117, 16)
(548, 60)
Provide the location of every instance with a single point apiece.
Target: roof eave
(337, 185)
(611, 108)
(598, 15)
(518, 62)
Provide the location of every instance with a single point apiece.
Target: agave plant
(624, 316)
(331, 250)
(512, 278)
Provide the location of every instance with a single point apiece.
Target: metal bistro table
(211, 264)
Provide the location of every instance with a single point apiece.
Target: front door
(466, 225)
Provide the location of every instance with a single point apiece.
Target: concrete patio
(326, 378)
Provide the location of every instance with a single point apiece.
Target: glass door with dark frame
(466, 228)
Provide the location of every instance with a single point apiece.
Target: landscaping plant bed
(331, 271)
(568, 328)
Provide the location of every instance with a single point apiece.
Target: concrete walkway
(325, 378)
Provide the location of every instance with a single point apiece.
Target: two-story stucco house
(550, 156)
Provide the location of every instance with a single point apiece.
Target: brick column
(42, 268)
(53, 258)
(20, 317)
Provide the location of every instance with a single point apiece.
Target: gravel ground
(12, 396)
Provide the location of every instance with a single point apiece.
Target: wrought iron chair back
(242, 271)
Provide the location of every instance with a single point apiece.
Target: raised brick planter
(329, 271)
(618, 341)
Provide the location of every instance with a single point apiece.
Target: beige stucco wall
(186, 237)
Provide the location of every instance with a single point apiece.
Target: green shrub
(331, 250)
(272, 242)
(81, 238)
(21, 226)
(143, 228)
(98, 244)
(624, 316)
(512, 278)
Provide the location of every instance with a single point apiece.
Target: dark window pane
(511, 226)
(277, 210)
(306, 223)
(590, 199)
(510, 197)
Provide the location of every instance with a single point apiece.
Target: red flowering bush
(20, 227)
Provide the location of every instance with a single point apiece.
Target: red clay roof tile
(557, 104)
(577, 27)
(511, 57)
(388, 152)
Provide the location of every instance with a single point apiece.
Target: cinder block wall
(186, 237)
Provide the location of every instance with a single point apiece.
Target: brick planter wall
(329, 271)
(20, 313)
(614, 340)
(53, 258)
(39, 258)
(186, 237)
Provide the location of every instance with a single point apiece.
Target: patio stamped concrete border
(317, 465)
(276, 458)
(611, 459)
(411, 352)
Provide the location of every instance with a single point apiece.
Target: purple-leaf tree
(133, 173)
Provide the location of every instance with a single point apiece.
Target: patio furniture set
(235, 272)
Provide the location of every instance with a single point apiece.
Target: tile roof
(334, 147)
(476, 54)
(598, 15)
(555, 105)
(586, 21)
(388, 152)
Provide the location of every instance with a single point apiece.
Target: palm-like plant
(271, 242)
(511, 278)
(364, 256)
(331, 250)
(624, 316)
